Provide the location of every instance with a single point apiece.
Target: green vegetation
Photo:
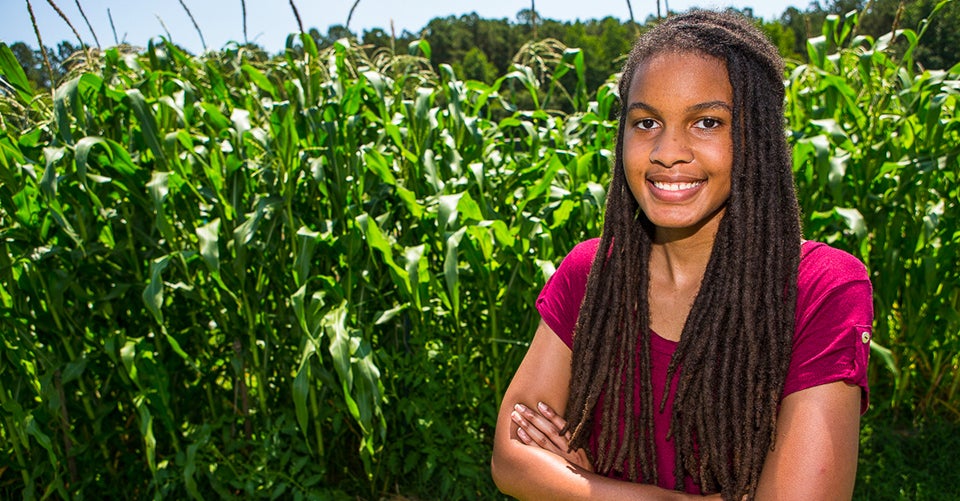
(312, 276)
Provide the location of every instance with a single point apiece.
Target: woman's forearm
(529, 473)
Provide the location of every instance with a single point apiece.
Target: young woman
(700, 346)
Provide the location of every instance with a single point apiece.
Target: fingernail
(522, 434)
(543, 407)
(520, 407)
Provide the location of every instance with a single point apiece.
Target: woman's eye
(646, 123)
(708, 123)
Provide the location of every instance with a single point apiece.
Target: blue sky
(270, 21)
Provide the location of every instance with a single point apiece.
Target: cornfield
(312, 276)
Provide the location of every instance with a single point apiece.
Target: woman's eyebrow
(709, 105)
(640, 105)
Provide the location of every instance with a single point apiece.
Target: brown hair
(735, 345)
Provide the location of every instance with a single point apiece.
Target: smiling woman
(700, 330)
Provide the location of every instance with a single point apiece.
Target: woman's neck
(680, 256)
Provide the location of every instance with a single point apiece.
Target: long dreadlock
(735, 345)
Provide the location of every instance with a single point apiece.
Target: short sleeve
(834, 322)
(560, 299)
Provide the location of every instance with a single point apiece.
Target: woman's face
(677, 143)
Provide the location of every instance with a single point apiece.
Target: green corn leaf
(423, 46)
(413, 256)
(451, 270)
(117, 158)
(377, 163)
(64, 102)
(244, 233)
(886, 355)
(447, 210)
(410, 201)
(190, 468)
(148, 125)
(128, 354)
(308, 241)
(159, 188)
(146, 432)
(48, 184)
(153, 292)
(12, 71)
(390, 314)
(854, 220)
(42, 438)
(241, 121)
(259, 79)
(209, 235)
(74, 369)
(301, 390)
(367, 386)
(376, 241)
(468, 208)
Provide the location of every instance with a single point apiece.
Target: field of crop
(312, 276)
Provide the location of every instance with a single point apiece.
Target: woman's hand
(541, 427)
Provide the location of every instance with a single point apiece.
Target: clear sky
(270, 21)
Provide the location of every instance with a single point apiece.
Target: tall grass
(312, 276)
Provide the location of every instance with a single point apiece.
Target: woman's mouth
(676, 186)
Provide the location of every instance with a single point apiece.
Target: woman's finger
(545, 425)
(536, 429)
(538, 432)
(548, 412)
(524, 437)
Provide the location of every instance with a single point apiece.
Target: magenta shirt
(831, 341)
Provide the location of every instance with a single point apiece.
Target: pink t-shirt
(831, 341)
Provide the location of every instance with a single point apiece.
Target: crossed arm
(815, 456)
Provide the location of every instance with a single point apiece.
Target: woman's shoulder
(559, 300)
(834, 278)
(822, 264)
(575, 267)
(582, 254)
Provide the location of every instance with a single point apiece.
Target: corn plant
(877, 155)
(304, 275)
(312, 275)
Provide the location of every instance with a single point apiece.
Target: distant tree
(878, 20)
(939, 46)
(841, 7)
(798, 23)
(32, 63)
(476, 66)
(334, 32)
(31, 60)
(781, 35)
(783, 38)
(451, 38)
(378, 38)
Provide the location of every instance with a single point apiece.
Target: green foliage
(877, 158)
(223, 278)
(476, 66)
(907, 461)
(312, 276)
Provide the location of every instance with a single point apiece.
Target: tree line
(483, 49)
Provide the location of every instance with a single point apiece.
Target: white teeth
(676, 186)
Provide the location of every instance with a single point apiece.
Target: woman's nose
(671, 148)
